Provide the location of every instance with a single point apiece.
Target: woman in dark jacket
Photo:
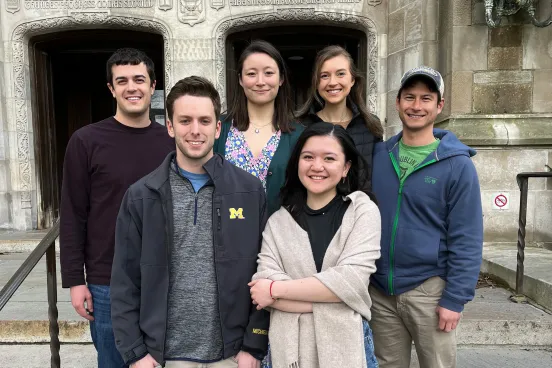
(336, 97)
(258, 134)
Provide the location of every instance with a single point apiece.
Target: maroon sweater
(102, 160)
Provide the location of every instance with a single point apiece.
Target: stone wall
(500, 102)
(4, 158)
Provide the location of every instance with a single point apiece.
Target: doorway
(68, 79)
(298, 46)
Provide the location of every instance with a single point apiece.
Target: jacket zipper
(195, 208)
(167, 251)
(215, 240)
(396, 220)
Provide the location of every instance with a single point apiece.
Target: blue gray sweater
(432, 224)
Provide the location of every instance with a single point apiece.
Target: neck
(335, 113)
(319, 200)
(418, 138)
(192, 165)
(260, 114)
(140, 121)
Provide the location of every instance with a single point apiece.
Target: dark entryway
(68, 77)
(298, 45)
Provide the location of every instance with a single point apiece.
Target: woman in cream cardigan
(319, 250)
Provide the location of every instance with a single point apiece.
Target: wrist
(278, 290)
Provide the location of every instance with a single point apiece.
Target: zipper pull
(218, 215)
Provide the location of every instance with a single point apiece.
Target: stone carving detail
(13, 6)
(191, 12)
(165, 5)
(20, 37)
(374, 2)
(303, 15)
(218, 4)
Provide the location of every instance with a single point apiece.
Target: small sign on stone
(501, 201)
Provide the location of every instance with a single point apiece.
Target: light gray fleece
(193, 325)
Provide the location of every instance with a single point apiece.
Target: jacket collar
(160, 176)
(315, 107)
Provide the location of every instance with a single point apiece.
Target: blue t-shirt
(197, 180)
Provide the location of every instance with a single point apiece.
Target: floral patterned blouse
(238, 153)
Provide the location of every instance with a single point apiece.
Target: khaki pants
(227, 363)
(399, 320)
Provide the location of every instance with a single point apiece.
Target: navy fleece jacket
(432, 224)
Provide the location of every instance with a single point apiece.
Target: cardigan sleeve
(350, 277)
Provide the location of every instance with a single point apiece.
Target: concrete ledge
(39, 332)
(22, 241)
(501, 262)
(501, 130)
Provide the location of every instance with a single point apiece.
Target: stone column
(498, 88)
(4, 147)
(412, 41)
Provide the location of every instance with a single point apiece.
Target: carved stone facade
(512, 133)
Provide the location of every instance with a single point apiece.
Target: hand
(260, 293)
(145, 362)
(246, 360)
(79, 295)
(448, 320)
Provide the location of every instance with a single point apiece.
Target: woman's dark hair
(283, 111)
(293, 195)
(356, 95)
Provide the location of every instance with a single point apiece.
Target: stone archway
(20, 61)
(298, 17)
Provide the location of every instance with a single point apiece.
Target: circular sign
(501, 200)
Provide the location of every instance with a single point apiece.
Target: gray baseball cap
(426, 71)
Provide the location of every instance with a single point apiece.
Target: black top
(101, 161)
(321, 225)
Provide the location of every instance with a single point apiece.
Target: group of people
(267, 237)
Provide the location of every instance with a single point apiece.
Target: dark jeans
(102, 330)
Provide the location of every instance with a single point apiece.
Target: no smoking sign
(501, 201)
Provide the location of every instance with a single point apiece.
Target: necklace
(341, 121)
(257, 130)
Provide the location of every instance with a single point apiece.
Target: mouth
(317, 177)
(415, 116)
(133, 98)
(195, 143)
(335, 91)
(261, 91)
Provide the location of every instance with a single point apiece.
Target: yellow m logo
(236, 213)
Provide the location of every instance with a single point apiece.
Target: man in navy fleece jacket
(432, 231)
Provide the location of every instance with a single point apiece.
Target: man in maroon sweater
(102, 160)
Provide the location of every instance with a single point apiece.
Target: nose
(260, 79)
(416, 104)
(332, 80)
(131, 85)
(318, 165)
(194, 128)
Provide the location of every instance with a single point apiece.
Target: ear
(111, 89)
(154, 83)
(346, 168)
(170, 128)
(353, 81)
(440, 106)
(240, 79)
(219, 128)
(281, 81)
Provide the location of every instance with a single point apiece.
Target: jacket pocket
(416, 251)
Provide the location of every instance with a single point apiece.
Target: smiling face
(132, 89)
(321, 166)
(335, 80)
(194, 127)
(418, 107)
(260, 79)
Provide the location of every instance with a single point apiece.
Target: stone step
(491, 319)
(500, 261)
(84, 356)
(21, 241)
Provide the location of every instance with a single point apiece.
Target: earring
(344, 179)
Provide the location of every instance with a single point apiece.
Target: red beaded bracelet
(272, 283)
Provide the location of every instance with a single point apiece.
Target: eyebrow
(133, 77)
(325, 153)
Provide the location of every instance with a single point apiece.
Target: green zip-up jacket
(277, 168)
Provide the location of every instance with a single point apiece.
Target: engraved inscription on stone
(291, 2)
(88, 4)
(165, 5)
(218, 4)
(191, 11)
(13, 6)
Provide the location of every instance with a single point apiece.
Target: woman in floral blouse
(258, 134)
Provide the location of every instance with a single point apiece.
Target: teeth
(317, 177)
(133, 98)
(195, 143)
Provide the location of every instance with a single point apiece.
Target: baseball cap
(428, 72)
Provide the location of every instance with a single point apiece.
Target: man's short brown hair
(193, 86)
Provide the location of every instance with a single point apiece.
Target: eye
(206, 121)
(329, 158)
(269, 73)
(140, 80)
(341, 74)
(324, 76)
(307, 157)
(250, 74)
(185, 121)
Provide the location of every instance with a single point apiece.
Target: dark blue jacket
(432, 225)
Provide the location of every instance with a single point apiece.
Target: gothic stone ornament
(305, 16)
(21, 35)
(191, 12)
(165, 5)
(218, 4)
(374, 2)
(13, 6)
(504, 8)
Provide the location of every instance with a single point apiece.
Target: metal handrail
(46, 246)
(523, 183)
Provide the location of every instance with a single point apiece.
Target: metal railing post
(51, 281)
(523, 182)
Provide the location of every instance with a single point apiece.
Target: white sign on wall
(501, 201)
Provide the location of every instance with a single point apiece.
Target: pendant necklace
(257, 130)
